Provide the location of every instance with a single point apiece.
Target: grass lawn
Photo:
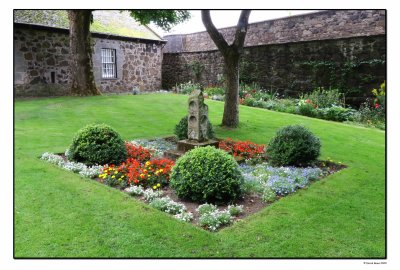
(60, 214)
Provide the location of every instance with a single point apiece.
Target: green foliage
(281, 105)
(235, 210)
(164, 18)
(97, 144)
(380, 95)
(250, 102)
(167, 205)
(293, 145)
(336, 113)
(249, 88)
(214, 220)
(207, 174)
(344, 75)
(307, 110)
(187, 88)
(324, 98)
(206, 208)
(371, 116)
(269, 195)
(181, 129)
(211, 91)
(197, 68)
(248, 72)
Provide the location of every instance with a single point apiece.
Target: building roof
(113, 22)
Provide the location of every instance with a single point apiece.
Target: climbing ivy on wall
(248, 72)
(349, 77)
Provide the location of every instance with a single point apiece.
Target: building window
(108, 70)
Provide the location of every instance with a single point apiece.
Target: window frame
(108, 64)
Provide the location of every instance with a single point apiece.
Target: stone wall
(41, 62)
(350, 56)
(330, 24)
(354, 65)
(138, 66)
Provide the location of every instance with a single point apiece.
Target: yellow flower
(115, 172)
(113, 176)
(154, 187)
(161, 170)
(158, 185)
(122, 176)
(147, 163)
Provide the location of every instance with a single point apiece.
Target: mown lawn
(60, 214)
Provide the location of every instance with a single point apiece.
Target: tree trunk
(231, 54)
(81, 64)
(231, 106)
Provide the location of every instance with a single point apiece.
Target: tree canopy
(165, 19)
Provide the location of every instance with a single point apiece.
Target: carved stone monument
(198, 117)
(197, 127)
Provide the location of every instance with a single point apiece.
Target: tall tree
(231, 55)
(81, 64)
(82, 78)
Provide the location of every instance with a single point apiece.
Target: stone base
(173, 154)
(186, 145)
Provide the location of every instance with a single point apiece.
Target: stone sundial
(197, 127)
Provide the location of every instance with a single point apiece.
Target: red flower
(140, 170)
(137, 152)
(245, 149)
(377, 105)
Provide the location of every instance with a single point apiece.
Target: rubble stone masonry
(293, 54)
(41, 63)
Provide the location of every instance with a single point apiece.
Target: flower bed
(243, 150)
(145, 175)
(320, 103)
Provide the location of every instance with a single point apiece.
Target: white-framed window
(108, 64)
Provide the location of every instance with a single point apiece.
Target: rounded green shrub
(207, 174)
(181, 129)
(97, 144)
(293, 145)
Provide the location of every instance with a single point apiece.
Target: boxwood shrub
(293, 145)
(207, 174)
(97, 144)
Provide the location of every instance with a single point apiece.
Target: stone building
(343, 49)
(126, 55)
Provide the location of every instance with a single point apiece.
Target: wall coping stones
(320, 25)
